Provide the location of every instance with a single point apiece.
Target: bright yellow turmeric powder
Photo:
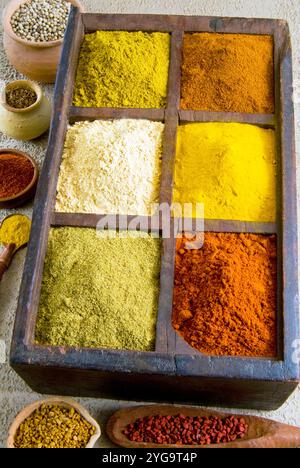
(123, 69)
(230, 168)
(15, 230)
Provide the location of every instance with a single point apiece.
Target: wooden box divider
(174, 370)
(77, 114)
(263, 120)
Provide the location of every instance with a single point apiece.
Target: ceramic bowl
(60, 401)
(28, 193)
(27, 123)
(37, 60)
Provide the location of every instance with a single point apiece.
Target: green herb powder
(99, 291)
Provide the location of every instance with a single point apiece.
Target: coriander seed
(41, 20)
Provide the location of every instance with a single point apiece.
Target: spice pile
(16, 173)
(218, 73)
(111, 167)
(20, 98)
(230, 168)
(41, 20)
(123, 69)
(15, 230)
(225, 294)
(53, 426)
(183, 430)
(99, 290)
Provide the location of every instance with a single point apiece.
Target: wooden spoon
(9, 250)
(262, 433)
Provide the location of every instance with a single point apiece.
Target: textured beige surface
(14, 394)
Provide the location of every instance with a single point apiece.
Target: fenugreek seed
(54, 427)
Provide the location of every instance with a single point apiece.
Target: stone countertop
(14, 393)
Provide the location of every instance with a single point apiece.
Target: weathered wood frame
(174, 371)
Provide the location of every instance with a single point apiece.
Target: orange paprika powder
(228, 72)
(225, 294)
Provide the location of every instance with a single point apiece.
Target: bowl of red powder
(18, 178)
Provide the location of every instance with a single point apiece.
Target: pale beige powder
(111, 167)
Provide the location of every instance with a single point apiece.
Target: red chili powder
(16, 173)
(225, 294)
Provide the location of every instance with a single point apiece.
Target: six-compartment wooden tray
(175, 371)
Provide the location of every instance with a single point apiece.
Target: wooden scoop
(10, 249)
(262, 433)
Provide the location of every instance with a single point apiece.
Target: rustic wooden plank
(132, 22)
(123, 222)
(278, 41)
(247, 25)
(290, 303)
(216, 225)
(168, 157)
(165, 336)
(156, 385)
(175, 70)
(93, 22)
(264, 120)
(171, 119)
(30, 287)
(197, 23)
(98, 361)
(77, 114)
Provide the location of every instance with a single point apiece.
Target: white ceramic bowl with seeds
(36, 60)
(57, 401)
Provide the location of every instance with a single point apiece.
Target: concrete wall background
(14, 393)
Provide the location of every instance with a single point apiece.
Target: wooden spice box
(175, 371)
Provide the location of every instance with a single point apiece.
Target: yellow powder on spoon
(229, 167)
(15, 230)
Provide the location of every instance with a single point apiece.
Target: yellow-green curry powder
(99, 291)
(123, 69)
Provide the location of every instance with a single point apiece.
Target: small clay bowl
(26, 194)
(37, 60)
(29, 122)
(59, 401)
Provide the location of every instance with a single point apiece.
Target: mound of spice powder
(99, 290)
(123, 69)
(53, 426)
(229, 167)
(225, 294)
(16, 173)
(186, 430)
(228, 72)
(15, 229)
(111, 167)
